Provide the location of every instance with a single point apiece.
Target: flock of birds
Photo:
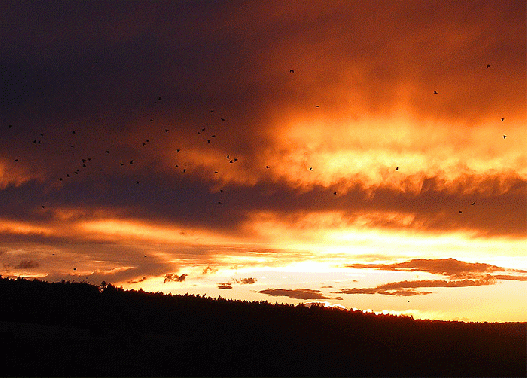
(208, 134)
(85, 161)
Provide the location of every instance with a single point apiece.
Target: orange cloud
(460, 273)
(452, 268)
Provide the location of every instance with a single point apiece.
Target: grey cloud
(246, 281)
(174, 277)
(296, 293)
(27, 264)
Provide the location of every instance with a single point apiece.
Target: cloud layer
(182, 131)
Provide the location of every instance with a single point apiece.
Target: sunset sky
(365, 154)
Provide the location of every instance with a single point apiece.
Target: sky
(360, 154)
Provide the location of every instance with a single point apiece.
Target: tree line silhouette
(108, 331)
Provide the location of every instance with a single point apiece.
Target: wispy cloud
(448, 267)
(408, 288)
(139, 280)
(295, 293)
(460, 273)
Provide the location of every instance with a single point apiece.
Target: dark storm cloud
(433, 206)
(104, 60)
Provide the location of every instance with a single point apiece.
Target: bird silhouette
(396, 168)
(435, 92)
(488, 65)
(291, 71)
(504, 136)
(502, 119)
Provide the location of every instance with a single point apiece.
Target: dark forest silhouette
(80, 329)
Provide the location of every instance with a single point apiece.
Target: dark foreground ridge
(77, 329)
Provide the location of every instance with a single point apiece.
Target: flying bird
(504, 136)
(435, 92)
(291, 71)
(473, 203)
(396, 168)
(488, 65)
(502, 119)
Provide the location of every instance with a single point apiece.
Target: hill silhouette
(78, 329)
